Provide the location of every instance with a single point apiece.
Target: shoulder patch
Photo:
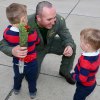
(61, 18)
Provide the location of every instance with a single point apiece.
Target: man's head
(90, 39)
(45, 14)
(16, 13)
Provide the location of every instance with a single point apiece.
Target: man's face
(47, 18)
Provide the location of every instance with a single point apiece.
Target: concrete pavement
(79, 14)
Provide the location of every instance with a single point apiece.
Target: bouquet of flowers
(23, 42)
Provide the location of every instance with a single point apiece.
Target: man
(55, 38)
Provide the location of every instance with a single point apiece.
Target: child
(88, 63)
(17, 14)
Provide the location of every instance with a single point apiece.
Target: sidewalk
(79, 14)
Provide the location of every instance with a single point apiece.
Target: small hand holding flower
(23, 38)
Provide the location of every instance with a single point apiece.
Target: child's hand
(20, 52)
(23, 48)
(23, 52)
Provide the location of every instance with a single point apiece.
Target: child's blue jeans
(30, 73)
(83, 91)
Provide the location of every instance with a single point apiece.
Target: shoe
(68, 78)
(33, 95)
(16, 92)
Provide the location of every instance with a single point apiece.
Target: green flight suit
(57, 39)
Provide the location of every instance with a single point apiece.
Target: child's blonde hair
(91, 36)
(15, 11)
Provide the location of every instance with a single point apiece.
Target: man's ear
(38, 18)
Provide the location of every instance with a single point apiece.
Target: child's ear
(88, 46)
(22, 20)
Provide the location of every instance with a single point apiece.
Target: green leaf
(23, 34)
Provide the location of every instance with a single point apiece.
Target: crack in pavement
(9, 94)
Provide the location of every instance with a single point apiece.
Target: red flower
(27, 27)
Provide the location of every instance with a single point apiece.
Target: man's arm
(5, 48)
(16, 51)
(64, 33)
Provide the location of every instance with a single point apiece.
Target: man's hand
(20, 52)
(68, 51)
